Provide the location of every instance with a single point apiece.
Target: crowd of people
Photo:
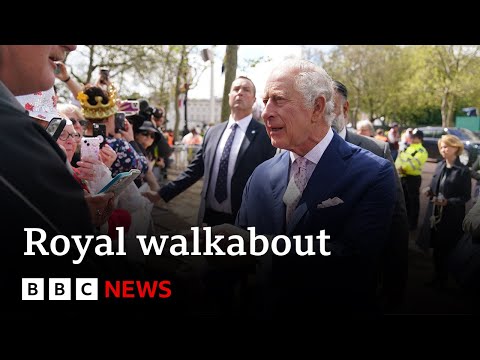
(361, 191)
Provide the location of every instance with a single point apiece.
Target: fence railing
(183, 155)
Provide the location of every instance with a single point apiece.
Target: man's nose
(70, 47)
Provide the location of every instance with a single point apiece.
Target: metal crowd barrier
(183, 155)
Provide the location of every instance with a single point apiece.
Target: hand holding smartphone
(55, 127)
(90, 147)
(119, 122)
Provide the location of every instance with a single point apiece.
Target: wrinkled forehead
(279, 83)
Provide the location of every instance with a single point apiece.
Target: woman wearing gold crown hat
(100, 107)
(42, 107)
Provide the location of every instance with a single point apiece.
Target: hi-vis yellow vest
(412, 159)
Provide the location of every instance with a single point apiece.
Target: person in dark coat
(36, 186)
(449, 190)
(395, 263)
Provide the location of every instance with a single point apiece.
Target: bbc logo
(59, 289)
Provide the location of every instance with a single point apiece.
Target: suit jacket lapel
(321, 184)
(278, 183)
(211, 148)
(436, 179)
(250, 134)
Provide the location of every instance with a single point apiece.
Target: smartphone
(100, 130)
(119, 121)
(55, 127)
(90, 147)
(105, 73)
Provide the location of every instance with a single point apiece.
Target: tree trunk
(230, 74)
(451, 112)
(444, 107)
(178, 88)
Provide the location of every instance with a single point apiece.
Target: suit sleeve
(368, 225)
(242, 216)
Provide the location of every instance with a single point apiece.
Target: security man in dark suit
(395, 267)
(229, 154)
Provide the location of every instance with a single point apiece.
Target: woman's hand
(108, 155)
(86, 168)
(439, 202)
(128, 132)
(62, 74)
(101, 207)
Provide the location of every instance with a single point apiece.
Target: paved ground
(181, 213)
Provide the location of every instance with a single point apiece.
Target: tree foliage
(413, 85)
(162, 69)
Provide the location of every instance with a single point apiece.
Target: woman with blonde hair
(449, 190)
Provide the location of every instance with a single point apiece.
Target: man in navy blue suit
(320, 183)
(227, 158)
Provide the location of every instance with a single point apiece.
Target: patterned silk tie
(221, 185)
(295, 187)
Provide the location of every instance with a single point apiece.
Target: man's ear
(319, 107)
(346, 109)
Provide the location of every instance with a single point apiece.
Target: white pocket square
(330, 202)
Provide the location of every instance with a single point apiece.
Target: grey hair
(70, 108)
(366, 124)
(313, 81)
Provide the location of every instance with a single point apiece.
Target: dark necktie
(221, 186)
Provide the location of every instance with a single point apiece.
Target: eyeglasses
(65, 135)
(148, 133)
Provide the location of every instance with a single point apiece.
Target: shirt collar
(316, 153)
(242, 123)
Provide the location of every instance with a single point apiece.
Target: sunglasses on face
(148, 133)
(82, 122)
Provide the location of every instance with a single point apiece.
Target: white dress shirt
(313, 155)
(212, 203)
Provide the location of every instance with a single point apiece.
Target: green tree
(451, 72)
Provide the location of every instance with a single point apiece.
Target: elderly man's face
(289, 124)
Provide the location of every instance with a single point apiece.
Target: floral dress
(127, 157)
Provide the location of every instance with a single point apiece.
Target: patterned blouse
(127, 157)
